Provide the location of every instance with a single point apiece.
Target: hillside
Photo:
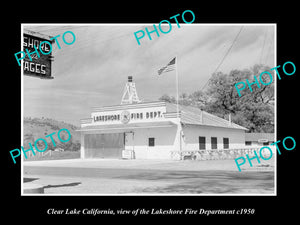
(34, 128)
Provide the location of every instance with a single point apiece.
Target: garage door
(104, 145)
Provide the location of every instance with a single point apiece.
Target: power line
(263, 47)
(269, 50)
(226, 54)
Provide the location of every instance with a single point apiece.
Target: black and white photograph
(150, 117)
(146, 112)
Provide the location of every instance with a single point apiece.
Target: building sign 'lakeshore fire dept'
(39, 65)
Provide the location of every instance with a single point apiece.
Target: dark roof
(258, 136)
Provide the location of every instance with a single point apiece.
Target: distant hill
(34, 128)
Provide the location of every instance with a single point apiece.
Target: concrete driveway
(148, 177)
(183, 165)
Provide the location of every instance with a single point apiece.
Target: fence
(37, 154)
(214, 154)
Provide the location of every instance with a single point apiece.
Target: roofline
(130, 126)
(238, 128)
(129, 106)
(214, 116)
(161, 104)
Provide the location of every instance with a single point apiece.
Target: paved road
(137, 180)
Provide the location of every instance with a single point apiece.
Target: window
(214, 143)
(248, 143)
(201, 143)
(225, 143)
(151, 142)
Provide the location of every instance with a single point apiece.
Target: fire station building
(152, 130)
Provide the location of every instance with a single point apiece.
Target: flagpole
(177, 103)
(177, 88)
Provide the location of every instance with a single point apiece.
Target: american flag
(169, 67)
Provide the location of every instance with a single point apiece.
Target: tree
(50, 145)
(167, 98)
(197, 99)
(28, 138)
(253, 110)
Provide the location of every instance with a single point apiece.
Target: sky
(94, 69)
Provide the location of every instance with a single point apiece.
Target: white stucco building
(152, 130)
